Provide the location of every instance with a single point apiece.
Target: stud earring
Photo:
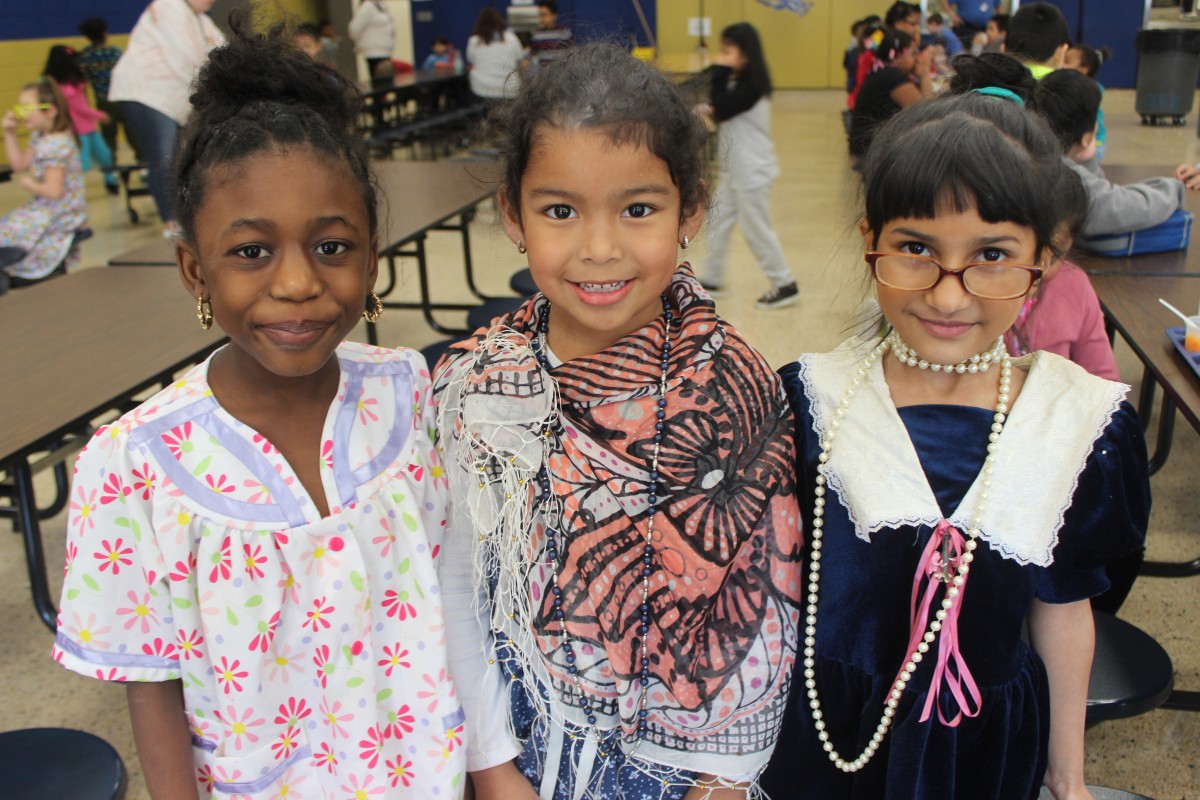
(373, 309)
(204, 313)
(684, 243)
(521, 247)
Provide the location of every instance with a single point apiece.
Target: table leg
(464, 228)
(35, 559)
(1182, 700)
(1166, 430)
(426, 303)
(1145, 407)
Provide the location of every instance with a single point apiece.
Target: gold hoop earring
(204, 313)
(521, 247)
(684, 244)
(374, 308)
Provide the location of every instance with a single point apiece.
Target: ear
(689, 224)
(509, 216)
(373, 265)
(191, 273)
(868, 236)
(1060, 55)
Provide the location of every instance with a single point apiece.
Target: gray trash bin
(1168, 65)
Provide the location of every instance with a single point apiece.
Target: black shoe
(779, 297)
(112, 188)
(712, 289)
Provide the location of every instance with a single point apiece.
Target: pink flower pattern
(284, 633)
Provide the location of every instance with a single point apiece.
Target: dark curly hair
(991, 69)
(600, 86)
(259, 93)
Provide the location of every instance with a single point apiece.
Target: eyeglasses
(989, 280)
(23, 110)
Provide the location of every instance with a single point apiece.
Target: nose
(295, 277)
(601, 244)
(949, 294)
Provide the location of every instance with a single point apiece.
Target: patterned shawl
(725, 590)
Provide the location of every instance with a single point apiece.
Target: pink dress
(311, 649)
(1065, 318)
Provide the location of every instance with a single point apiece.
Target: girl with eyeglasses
(956, 498)
(45, 226)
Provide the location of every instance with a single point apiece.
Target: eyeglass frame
(873, 256)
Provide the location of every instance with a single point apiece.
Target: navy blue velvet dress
(863, 627)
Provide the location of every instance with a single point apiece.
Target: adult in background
(495, 54)
(969, 17)
(97, 61)
(152, 82)
(374, 35)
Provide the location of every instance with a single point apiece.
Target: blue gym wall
(1107, 23)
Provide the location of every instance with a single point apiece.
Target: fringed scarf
(725, 589)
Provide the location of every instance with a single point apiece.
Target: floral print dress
(45, 227)
(311, 650)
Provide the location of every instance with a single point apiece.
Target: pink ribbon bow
(938, 565)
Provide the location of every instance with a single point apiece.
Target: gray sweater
(1116, 209)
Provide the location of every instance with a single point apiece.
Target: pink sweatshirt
(83, 116)
(1065, 318)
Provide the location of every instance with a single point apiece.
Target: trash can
(1168, 65)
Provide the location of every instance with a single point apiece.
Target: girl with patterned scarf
(621, 568)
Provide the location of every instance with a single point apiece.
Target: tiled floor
(1157, 754)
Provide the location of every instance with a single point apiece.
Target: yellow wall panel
(802, 51)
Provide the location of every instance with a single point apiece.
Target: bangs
(953, 164)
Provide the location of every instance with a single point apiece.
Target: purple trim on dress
(254, 460)
(113, 659)
(266, 779)
(157, 427)
(455, 719)
(397, 436)
(207, 745)
(342, 426)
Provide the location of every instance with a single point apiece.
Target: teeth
(602, 287)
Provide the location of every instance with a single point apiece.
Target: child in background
(1070, 101)
(938, 35)
(64, 69)
(1088, 60)
(740, 104)
(619, 570)
(1038, 37)
(45, 226)
(253, 549)
(307, 39)
(904, 77)
(991, 38)
(946, 528)
(97, 61)
(443, 55)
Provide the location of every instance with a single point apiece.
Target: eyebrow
(981, 240)
(261, 224)
(550, 191)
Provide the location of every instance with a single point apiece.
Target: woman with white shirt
(495, 55)
(152, 83)
(374, 34)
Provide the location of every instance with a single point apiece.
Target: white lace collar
(1047, 438)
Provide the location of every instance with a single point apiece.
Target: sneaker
(779, 296)
(112, 188)
(712, 289)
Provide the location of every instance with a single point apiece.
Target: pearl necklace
(905, 354)
(552, 544)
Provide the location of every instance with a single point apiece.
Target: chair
(59, 764)
(1131, 672)
(482, 315)
(522, 283)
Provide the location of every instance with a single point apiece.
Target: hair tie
(1003, 94)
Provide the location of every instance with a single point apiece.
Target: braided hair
(259, 93)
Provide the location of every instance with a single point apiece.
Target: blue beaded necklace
(553, 538)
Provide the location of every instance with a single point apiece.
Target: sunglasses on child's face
(23, 110)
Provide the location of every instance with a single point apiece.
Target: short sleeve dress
(311, 650)
(45, 227)
(1065, 499)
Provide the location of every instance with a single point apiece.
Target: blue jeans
(155, 133)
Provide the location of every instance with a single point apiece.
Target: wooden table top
(414, 197)
(1131, 303)
(74, 345)
(1174, 262)
(410, 80)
